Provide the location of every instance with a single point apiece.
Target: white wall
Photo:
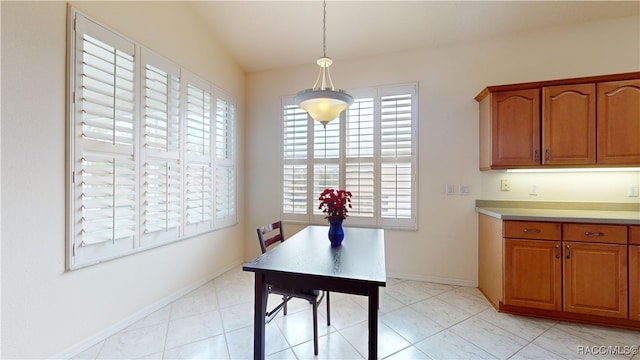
(445, 246)
(46, 310)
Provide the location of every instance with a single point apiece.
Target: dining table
(307, 260)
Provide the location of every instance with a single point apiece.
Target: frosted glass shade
(323, 105)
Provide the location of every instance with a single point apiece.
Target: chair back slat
(269, 235)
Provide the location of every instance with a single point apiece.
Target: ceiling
(263, 35)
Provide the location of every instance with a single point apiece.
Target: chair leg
(315, 328)
(328, 310)
(284, 298)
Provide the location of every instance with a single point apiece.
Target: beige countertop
(606, 213)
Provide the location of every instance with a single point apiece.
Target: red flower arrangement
(335, 203)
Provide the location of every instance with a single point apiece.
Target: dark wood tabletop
(360, 257)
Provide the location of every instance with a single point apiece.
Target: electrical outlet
(504, 185)
(633, 190)
(533, 189)
(464, 189)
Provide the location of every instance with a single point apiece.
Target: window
(369, 150)
(152, 148)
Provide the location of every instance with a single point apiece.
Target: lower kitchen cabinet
(533, 274)
(634, 282)
(588, 273)
(595, 279)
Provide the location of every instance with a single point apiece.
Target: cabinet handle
(537, 231)
(557, 251)
(568, 252)
(597, 233)
(536, 155)
(547, 154)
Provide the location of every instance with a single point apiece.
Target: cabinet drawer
(532, 230)
(634, 235)
(597, 233)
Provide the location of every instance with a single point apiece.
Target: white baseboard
(433, 279)
(141, 314)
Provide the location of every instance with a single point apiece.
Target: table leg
(259, 315)
(374, 302)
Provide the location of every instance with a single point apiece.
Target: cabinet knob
(536, 155)
(568, 252)
(537, 231)
(557, 251)
(547, 154)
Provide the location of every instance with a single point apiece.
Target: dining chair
(268, 236)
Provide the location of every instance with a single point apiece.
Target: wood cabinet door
(515, 128)
(634, 282)
(595, 279)
(532, 274)
(619, 122)
(569, 124)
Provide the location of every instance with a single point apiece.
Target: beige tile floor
(417, 320)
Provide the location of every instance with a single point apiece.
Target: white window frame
(155, 177)
(339, 127)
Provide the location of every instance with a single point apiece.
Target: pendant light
(323, 102)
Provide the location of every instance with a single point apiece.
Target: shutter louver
(396, 188)
(225, 193)
(359, 179)
(162, 194)
(107, 92)
(295, 133)
(198, 123)
(225, 169)
(325, 176)
(199, 194)
(359, 168)
(326, 140)
(295, 169)
(199, 166)
(396, 120)
(162, 115)
(107, 195)
(295, 189)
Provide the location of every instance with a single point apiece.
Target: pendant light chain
(324, 28)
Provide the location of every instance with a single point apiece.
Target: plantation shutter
(225, 169)
(161, 168)
(199, 167)
(359, 161)
(326, 159)
(295, 168)
(104, 177)
(397, 154)
(370, 151)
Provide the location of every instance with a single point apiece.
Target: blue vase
(336, 233)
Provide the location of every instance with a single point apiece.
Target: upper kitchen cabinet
(619, 122)
(579, 122)
(569, 124)
(510, 129)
